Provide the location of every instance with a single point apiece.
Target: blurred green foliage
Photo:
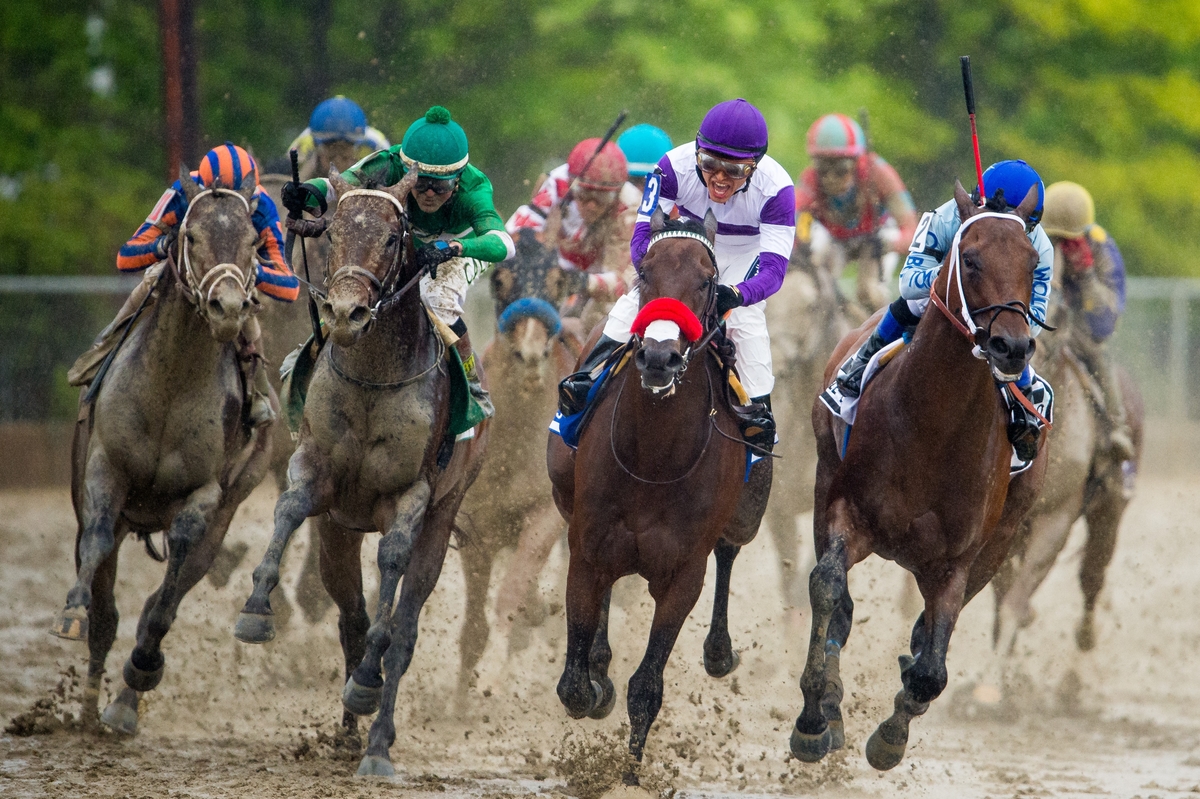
(1105, 93)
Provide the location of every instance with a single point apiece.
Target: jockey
(643, 146)
(851, 192)
(1093, 284)
(725, 170)
(337, 135)
(231, 165)
(591, 231)
(453, 219)
(1006, 180)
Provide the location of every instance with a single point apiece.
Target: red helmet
(608, 170)
(837, 136)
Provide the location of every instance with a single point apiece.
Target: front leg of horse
(104, 497)
(586, 589)
(361, 695)
(813, 736)
(923, 673)
(598, 661)
(305, 498)
(719, 657)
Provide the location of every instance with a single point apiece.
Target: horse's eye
(391, 240)
(191, 239)
(707, 284)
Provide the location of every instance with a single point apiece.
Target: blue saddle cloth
(569, 428)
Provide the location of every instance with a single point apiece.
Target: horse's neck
(178, 343)
(654, 428)
(940, 372)
(392, 348)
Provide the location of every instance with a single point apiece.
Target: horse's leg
(1103, 520)
(674, 599)
(1046, 539)
(782, 523)
(104, 494)
(812, 737)
(599, 659)
(586, 591)
(836, 636)
(533, 550)
(339, 558)
(924, 672)
(362, 693)
(428, 553)
(193, 540)
(477, 558)
(102, 631)
(309, 495)
(719, 657)
(312, 598)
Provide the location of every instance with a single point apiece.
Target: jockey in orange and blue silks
(231, 164)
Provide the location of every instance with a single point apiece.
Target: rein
(358, 381)
(202, 289)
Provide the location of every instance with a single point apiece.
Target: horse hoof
(608, 699)
(362, 700)
(811, 747)
(719, 670)
(254, 628)
(72, 624)
(120, 717)
(375, 766)
(883, 754)
(140, 680)
(837, 734)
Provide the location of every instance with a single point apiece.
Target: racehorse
(924, 476)
(164, 444)
(807, 320)
(374, 426)
(1083, 479)
(510, 504)
(656, 484)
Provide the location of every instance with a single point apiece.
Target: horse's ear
(1029, 204)
(966, 208)
(190, 188)
(502, 283)
(249, 184)
(402, 189)
(340, 184)
(554, 283)
(710, 226)
(658, 220)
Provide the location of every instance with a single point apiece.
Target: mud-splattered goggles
(435, 185)
(710, 164)
(597, 196)
(835, 167)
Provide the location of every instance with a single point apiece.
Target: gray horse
(163, 445)
(372, 457)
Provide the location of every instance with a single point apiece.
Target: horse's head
(217, 242)
(369, 245)
(678, 281)
(528, 290)
(993, 278)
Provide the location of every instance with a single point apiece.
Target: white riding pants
(446, 295)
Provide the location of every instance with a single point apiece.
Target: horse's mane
(375, 180)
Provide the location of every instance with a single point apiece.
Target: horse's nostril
(359, 315)
(245, 304)
(215, 307)
(674, 361)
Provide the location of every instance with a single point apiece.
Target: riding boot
(895, 321)
(1025, 428)
(574, 388)
(1120, 435)
(467, 355)
(758, 428)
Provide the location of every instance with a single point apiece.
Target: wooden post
(172, 61)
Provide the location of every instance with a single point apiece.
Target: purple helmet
(734, 129)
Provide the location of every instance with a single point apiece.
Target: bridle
(199, 290)
(964, 321)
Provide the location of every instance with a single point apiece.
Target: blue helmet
(1012, 179)
(338, 118)
(643, 146)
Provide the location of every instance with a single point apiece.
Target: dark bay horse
(924, 479)
(375, 420)
(656, 485)
(165, 446)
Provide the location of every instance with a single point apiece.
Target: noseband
(385, 289)
(964, 321)
(199, 290)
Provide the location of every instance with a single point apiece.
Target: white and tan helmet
(1070, 210)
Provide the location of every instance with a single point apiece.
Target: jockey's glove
(295, 197)
(430, 256)
(307, 228)
(728, 298)
(163, 245)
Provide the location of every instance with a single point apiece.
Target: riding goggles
(436, 185)
(597, 196)
(710, 164)
(835, 167)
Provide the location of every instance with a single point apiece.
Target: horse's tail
(148, 540)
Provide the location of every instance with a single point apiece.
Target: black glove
(163, 246)
(728, 298)
(429, 256)
(308, 228)
(295, 197)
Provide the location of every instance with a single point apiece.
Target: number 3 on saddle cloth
(846, 408)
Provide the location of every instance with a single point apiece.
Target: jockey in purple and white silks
(725, 170)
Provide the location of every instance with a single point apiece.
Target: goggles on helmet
(597, 196)
(710, 164)
(835, 167)
(436, 185)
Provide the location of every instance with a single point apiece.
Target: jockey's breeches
(445, 295)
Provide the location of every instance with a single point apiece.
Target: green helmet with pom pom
(437, 143)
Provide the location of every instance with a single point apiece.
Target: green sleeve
(485, 218)
(385, 162)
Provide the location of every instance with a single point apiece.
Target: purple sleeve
(780, 209)
(639, 243)
(667, 188)
(771, 268)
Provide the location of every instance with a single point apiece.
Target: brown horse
(510, 504)
(374, 425)
(924, 479)
(165, 446)
(655, 485)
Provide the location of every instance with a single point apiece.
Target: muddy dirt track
(235, 720)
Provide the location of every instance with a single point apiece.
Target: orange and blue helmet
(228, 163)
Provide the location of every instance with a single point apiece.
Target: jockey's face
(432, 193)
(836, 175)
(720, 174)
(592, 204)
